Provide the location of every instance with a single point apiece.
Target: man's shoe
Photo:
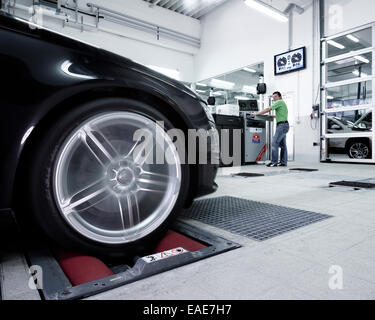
(271, 165)
(282, 164)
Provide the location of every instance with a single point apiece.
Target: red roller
(174, 240)
(82, 269)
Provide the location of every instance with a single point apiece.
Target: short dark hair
(278, 93)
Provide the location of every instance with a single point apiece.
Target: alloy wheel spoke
(154, 174)
(86, 197)
(150, 189)
(99, 145)
(129, 210)
(133, 148)
(152, 180)
(147, 150)
(137, 213)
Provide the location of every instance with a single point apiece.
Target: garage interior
(301, 232)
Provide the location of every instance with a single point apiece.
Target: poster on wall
(290, 61)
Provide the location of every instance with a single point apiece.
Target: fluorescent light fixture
(345, 61)
(353, 38)
(330, 98)
(200, 91)
(336, 44)
(249, 89)
(241, 98)
(249, 70)
(267, 10)
(172, 73)
(222, 84)
(356, 73)
(360, 58)
(201, 84)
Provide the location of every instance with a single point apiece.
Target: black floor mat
(248, 174)
(303, 169)
(353, 184)
(255, 220)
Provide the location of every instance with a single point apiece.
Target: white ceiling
(199, 8)
(192, 8)
(283, 4)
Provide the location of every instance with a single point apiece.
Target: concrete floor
(294, 265)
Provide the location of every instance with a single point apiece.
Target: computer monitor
(248, 105)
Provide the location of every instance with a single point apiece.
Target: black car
(69, 112)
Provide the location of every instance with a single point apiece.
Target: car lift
(68, 276)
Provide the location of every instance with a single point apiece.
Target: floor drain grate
(255, 220)
(303, 169)
(353, 184)
(248, 174)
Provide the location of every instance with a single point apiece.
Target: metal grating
(353, 184)
(248, 174)
(256, 220)
(195, 9)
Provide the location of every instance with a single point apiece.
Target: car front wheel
(95, 184)
(359, 150)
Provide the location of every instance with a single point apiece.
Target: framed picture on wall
(290, 61)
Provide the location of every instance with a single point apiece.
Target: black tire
(38, 189)
(358, 149)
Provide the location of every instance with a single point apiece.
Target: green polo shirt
(281, 111)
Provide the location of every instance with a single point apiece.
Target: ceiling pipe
(289, 12)
(293, 7)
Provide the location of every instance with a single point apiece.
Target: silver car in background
(355, 148)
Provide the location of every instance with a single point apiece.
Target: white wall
(137, 45)
(342, 15)
(235, 36)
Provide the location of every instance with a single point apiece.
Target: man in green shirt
(279, 139)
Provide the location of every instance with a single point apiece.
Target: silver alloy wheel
(359, 150)
(107, 184)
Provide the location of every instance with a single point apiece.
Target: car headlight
(207, 109)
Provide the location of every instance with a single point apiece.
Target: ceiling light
(349, 60)
(222, 84)
(353, 38)
(172, 73)
(201, 91)
(201, 84)
(249, 70)
(336, 44)
(360, 58)
(241, 98)
(249, 89)
(330, 97)
(267, 9)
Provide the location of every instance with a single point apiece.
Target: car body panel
(41, 70)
